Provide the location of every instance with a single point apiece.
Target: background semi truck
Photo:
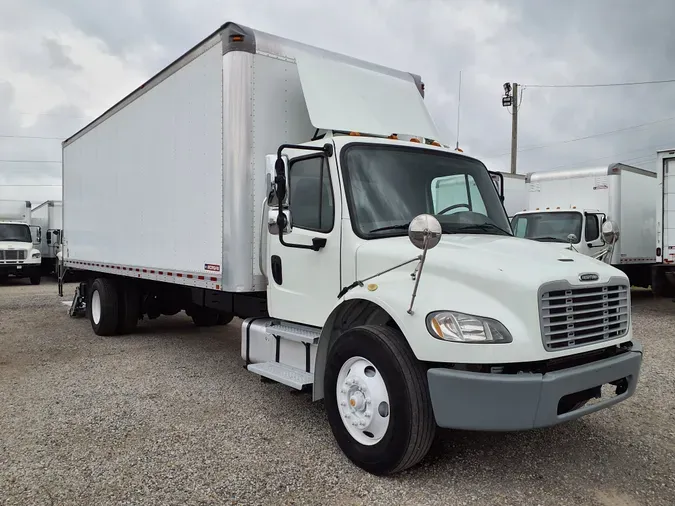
(259, 178)
(49, 217)
(576, 202)
(663, 281)
(19, 256)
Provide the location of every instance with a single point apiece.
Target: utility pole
(511, 99)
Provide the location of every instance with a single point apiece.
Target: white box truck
(292, 187)
(514, 190)
(19, 256)
(663, 279)
(568, 208)
(48, 216)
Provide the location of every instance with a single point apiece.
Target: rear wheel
(103, 307)
(377, 400)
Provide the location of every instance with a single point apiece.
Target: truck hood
(16, 245)
(497, 277)
(501, 258)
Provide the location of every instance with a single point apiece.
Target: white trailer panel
(15, 210)
(123, 180)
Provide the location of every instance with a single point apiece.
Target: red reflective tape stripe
(145, 270)
(217, 287)
(169, 274)
(190, 276)
(214, 279)
(200, 277)
(179, 275)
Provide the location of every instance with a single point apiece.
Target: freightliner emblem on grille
(588, 276)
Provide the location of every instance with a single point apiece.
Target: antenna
(459, 101)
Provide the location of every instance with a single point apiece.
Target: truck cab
(18, 255)
(578, 229)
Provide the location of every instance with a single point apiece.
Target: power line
(30, 137)
(600, 85)
(30, 161)
(3, 185)
(601, 134)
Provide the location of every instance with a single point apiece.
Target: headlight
(465, 328)
(36, 255)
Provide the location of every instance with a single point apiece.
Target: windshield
(547, 227)
(15, 232)
(387, 186)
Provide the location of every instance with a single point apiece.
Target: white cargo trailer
(18, 255)
(49, 217)
(570, 207)
(294, 187)
(663, 279)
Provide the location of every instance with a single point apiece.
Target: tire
(411, 425)
(129, 308)
(224, 318)
(35, 280)
(106, 309)
(205, 317)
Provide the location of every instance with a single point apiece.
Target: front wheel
(35, 280)
(377, 400)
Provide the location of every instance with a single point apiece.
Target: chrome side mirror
(610, 232)
(424, 232)
(272, 217)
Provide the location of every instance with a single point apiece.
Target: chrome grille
(13, 254)
(572, 317)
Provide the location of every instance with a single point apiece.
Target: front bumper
(20, 270)
(508, 402)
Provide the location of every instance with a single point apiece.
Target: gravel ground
(169, 416)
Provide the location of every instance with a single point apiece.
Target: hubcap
(363, 401)
(96, 307)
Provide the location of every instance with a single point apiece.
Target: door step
(284, 374)
(294, 332)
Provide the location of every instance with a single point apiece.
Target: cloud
(84, 61)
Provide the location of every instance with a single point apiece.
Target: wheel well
(347, 315)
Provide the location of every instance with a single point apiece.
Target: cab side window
(592, 227)
(311, 194)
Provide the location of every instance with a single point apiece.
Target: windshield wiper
(484, 226)
(547, 238)
(15, 239)
(402, 226)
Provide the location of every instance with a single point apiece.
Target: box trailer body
(579, 201)
(49, 217)
(663, 279)
(514, 191)
(303, 191)
(18, 238)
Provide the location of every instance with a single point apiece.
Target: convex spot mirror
(610, 231)
(425, 231)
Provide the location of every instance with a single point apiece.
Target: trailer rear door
(669, 209)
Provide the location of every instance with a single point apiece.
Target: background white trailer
(15, 210)
(582, 198)
(663, 282)
(49, 217)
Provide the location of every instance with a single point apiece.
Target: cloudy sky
(64, 62)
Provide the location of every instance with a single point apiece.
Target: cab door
(303, 283)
